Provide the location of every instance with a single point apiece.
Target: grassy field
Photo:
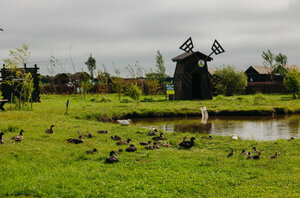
(47, 166)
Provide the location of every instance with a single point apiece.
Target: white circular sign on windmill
(201, 63)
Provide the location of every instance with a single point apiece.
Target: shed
(259, 74)
(61, 79)
(190, 80)
(8, 91)
(79, 76)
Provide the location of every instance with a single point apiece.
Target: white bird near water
(124, 122)
(234, 137)
(204, 112)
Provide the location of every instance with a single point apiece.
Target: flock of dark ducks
(158, 141)
(253, 154)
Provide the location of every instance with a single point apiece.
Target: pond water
(258, 128)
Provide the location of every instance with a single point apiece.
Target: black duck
(187, 144)
(92, 151)
(49, 131)
(131, 148)
(230, 154)
(76, 140)
(19, 137)
(112, 158)
(124, 142)
(115, 137)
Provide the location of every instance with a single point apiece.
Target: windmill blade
(187, 46)
(217, 48)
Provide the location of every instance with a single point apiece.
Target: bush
(134, 92)
(292, 82)
(233, 81)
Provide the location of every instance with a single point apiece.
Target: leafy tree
(292, 82)
(134, 92)
(153, 85)
(19, 80)
(103, 76)
(85, 84)
(281, 59)
(269, 59)
(117, 84)
(160, 67)
(232, 81)
(91, 65)
(273, 61)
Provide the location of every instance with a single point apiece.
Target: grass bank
(46, 166)
(107, 108)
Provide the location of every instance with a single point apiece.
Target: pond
(257, 128)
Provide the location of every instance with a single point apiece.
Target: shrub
(233, 81)
(134, 92)
(292, 82)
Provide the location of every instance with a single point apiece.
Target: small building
(79, 76)
(61, 79)
(8, 91)
(191, 81)
(259, 74)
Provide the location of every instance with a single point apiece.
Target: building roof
(261, 69)
(188, 54)
(59, 75)
(289, 67)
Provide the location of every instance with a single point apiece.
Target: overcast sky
(121, 32)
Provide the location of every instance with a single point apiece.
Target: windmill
(191, 78)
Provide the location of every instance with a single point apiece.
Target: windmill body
(190, 80)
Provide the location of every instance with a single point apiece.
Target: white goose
(234, 137)
(124, 122)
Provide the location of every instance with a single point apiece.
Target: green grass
(47, 166)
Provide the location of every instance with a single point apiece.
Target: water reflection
(259, 128)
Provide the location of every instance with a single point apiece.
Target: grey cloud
(125, 31)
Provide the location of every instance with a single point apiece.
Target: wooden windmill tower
(191, 77)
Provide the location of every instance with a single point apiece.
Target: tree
(91, 65)
(19, 80)
(274, 61)
(85, 84)
(134, 92)
(160, 67)
(292, 82)
(103, 77)
(117, 83)
(153, 85)
(281, 60)
(232, 81)
(269, 59)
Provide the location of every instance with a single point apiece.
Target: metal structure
(191, 77)
(8, 91)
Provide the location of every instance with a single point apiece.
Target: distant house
(79, 76)
(261, 79)
(259, 74)
(61, 79)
